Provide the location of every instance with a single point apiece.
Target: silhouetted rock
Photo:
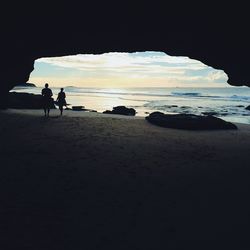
(27, 84)
(188, 121)
(248, 107)
(107, 112)
(26, 101)
(121, 110)
(78, 108)
(210, 113)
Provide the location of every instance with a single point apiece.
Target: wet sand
(95, 181)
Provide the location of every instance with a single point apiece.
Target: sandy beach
(94, 181)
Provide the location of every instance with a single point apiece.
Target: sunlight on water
(227, 103)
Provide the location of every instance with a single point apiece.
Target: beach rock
(26, 101)
(107, 112)
(248, 107)
(189, 121)
(78, 108)
(121, 110)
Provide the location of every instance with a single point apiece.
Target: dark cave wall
(215, 34)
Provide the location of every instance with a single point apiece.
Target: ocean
(227, 103)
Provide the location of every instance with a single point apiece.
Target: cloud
(125, 62)
(122, 67)
(216, 75)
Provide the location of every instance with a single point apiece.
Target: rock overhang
(216, 35)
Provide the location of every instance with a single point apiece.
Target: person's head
(46, 85)
(61, 89)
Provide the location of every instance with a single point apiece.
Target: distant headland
(26, 84)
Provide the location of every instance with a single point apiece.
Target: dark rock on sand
(89, 110)
(121, 110)
(240, 106)
(210, 113)
(26, 101)
(78, 108)
(188, 121)
(107, 112)
(248, 107)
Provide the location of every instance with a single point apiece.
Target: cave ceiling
(215, 34)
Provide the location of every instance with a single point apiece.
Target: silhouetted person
(61, 100)
(47, 100)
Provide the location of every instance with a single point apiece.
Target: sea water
(227, 103)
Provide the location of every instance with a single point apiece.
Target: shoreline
(121, 181)
(54, 113)
(67, 113)
(226, 103)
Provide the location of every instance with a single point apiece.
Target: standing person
(61, 100)
(47, 100)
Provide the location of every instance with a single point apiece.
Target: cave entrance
(146, 81)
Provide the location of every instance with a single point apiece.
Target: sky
(121, 70)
